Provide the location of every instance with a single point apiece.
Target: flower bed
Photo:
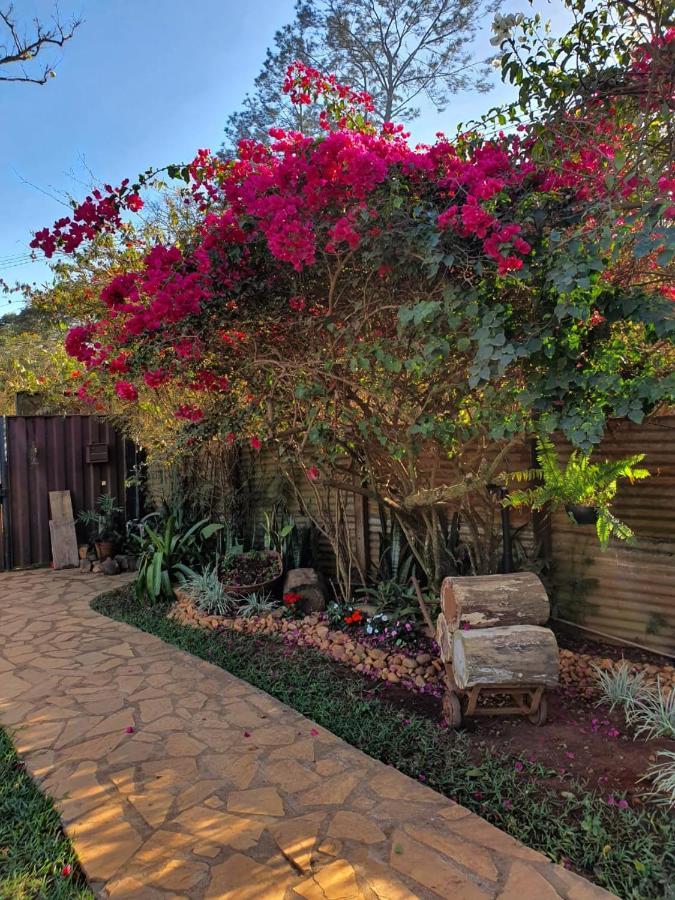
(420, 672)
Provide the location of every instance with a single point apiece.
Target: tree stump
(486, 601)
(518, 654)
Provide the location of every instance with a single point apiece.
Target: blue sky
(143, 83)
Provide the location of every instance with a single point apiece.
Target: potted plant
(102, 521)
(583, 487)
(250, 572)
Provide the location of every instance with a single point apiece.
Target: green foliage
(33, 847)
(278, 531)
(260, 603)
(581, 481)
(207, 591)
(103, 519)
(652, 713)
(620, 687)
(629, 852)
(164, 556)
(662, 776)
(396, 600)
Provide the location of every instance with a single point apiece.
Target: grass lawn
(628, 851)
(34, 852)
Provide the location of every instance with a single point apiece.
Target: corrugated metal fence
(82, 454)
(628, 591)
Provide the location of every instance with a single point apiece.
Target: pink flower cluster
(98, 212)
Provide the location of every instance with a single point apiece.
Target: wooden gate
(38, 454)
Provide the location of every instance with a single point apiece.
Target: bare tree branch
(19, 48)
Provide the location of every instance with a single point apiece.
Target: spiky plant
(662, 777)
(208, 593)
(619, 686)
(652, 713)
(257, 604)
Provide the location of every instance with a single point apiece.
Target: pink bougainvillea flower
(312, 473)
(314, 732)
(126, 391)
(256, 443)
(130, 729)
(247, 734)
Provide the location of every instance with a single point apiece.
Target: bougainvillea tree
(399, 316)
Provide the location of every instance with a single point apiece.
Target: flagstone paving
(220, 791)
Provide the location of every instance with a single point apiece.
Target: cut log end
(488, 601)
(519, 654)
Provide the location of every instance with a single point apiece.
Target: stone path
(220, 791)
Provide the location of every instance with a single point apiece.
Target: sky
(145, 83)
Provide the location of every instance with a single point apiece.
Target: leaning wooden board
(65, 554)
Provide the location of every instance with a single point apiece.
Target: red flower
(134, 202)
(312, 473)
(291, 598)
(126, 391)
(66, 870)
(256, 443)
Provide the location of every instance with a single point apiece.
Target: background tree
(399, 51)
(268, 104)
(19, 47)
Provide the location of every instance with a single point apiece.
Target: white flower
(503, 25)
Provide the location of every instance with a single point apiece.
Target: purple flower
(610, 800)
(622, 804)
(518, 766)
(507, 804)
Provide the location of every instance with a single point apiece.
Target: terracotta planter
(582, 515)
(244, 590)
(104, 549)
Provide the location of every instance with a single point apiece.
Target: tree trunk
(484, 601)
(519, 654)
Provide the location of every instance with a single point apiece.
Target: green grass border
(630, 852)
(33, 846)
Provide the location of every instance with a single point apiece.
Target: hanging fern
(581, 481)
